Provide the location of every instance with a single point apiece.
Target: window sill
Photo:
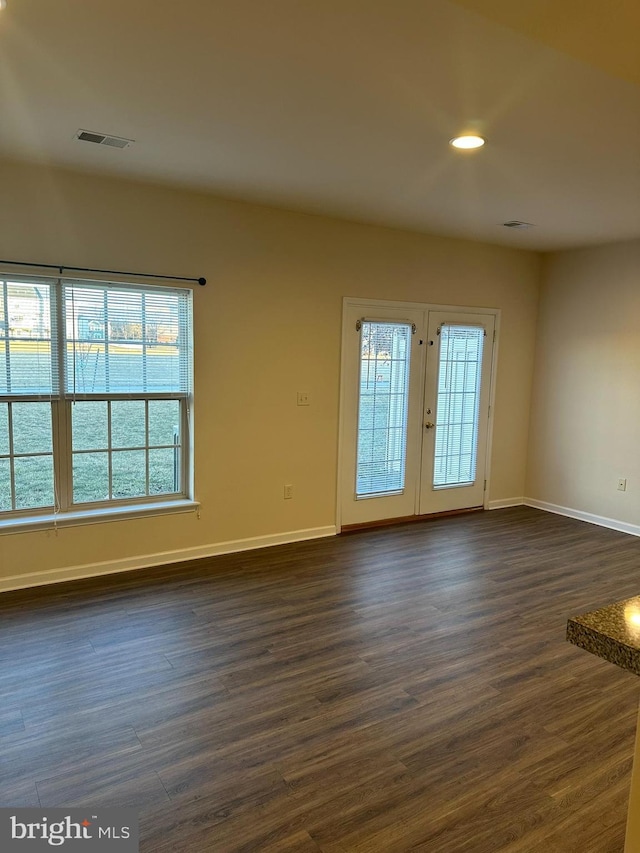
(73, 518)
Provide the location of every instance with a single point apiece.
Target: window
(95, 395)
(458, 405)
(385, 353)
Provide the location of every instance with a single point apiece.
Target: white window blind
(124, 339)
(385, 352)
(28, 361)
(456, 440)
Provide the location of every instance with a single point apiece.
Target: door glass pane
(458, 404)
(385, 351)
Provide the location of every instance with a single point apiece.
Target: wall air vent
(103, 139)
(515, 223)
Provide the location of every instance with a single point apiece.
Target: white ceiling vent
(515, 223)
(103, 139)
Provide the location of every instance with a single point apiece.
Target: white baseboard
(600, 520)
(144, 561)
(503, 503)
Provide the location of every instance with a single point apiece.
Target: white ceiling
(337, 106)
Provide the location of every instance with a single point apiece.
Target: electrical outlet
(622, 484)
(304, 398)
(288, 492)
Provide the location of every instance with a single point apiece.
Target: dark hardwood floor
(398, 689)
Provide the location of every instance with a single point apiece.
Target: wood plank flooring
(399, 689)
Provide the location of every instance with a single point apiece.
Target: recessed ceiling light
(467, 141)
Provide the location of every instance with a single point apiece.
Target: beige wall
(267, 325)
(585, 415)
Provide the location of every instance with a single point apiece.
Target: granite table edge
(607, 634)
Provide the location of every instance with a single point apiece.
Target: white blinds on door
(385, 352)
(458, 401)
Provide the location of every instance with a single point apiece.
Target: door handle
(429, 425)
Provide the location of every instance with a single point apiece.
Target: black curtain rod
(201, 281)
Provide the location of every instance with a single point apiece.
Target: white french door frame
(369, 307)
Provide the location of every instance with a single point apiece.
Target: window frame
(61, 400)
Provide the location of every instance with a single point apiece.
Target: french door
(415, 404)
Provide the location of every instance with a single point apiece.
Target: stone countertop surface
(612, 633)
